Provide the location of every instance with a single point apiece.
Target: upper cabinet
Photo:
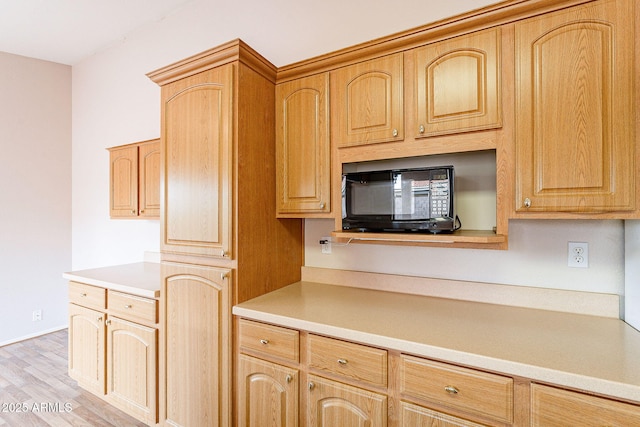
(457, 85)
(197, 174)
(303, 151)
(367, 102)
(575, 133)
(135, 180)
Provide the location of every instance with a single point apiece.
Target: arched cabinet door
(331, 403)
(196, 164)
(303, 151)
(367, 102)
(195, 345)
(457, 85)
(575, 145)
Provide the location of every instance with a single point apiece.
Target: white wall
(35, 189)
(114, 103)
(632, 273)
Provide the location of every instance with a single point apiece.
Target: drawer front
(466, 389)
(87, 295)
(269, 340)
(348, 360)
(552, 407)
(132, 307)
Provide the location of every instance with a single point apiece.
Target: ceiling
(49, 29)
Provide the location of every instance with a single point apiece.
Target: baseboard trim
(34, 335)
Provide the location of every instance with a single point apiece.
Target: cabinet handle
(128, 306)
(311, 386)
(527, 202)
(321, 205)
(395, 133)
(141, 211)
(108, 322)
(451, 389)
(421, 129)
(99, 319)
(288, 378)
(223, 276)
(83, 295)
(343, 361)
(133, 211)
(223, 253)
(264, 342)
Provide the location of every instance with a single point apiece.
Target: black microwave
(408, 200)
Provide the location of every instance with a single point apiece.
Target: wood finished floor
(33, 375)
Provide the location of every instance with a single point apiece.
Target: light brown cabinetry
(575, 144)
(221, 242)
(303, 151)
(457, 85)
(196, 354)
(414, 415)
(135, 180)
(113, 341)
(554, 407)
(367, 103)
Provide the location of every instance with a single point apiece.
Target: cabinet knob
(133, 211)
(395, 133)
(108, 322)
(83, 295)
(99, 319)
(288, 378)
(223, 253)
(264, 342)
(223, 276)
(421, 129)
(527, 202)
(343, 361)
(311, 385)
(321, 205)
(451, 389)
(128, 306)
(141, 211)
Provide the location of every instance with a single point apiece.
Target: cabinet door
(86, 348)
(197, 173)
(123, 197)
(458, 85)
(149, 179)
(417, 416)
(131, 368)
(367, 102)
(334, 404)
(575, 113)
(196, 346)
(267, 394)
(302, 146)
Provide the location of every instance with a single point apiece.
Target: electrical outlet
(578, 254)
(37, 315)
(325, 242)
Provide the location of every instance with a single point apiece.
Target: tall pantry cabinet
(221, 243)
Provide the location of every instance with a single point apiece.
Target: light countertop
(591, 353)
(141, 278)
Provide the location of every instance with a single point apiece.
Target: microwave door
(412, 200)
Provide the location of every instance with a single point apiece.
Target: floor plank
(35, 389)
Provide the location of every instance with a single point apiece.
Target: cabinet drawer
(466, 389)
(349, 360)
(87, 295)
(132, 307)
(269, 340)
(555, 407)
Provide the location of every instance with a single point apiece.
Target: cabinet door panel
(131, 368)
(458, 84)
(417, 416)
(124, 182)
(302, 145)
(86, 348)
(196, 164)
(196, 345)
(149, 170)
(267, 394)
(574, 80)
(334, 404)
(367, 102)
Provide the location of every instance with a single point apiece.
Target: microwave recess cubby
(474, 196)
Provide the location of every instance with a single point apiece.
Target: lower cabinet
(267, 394)
(113, 342)
(289, 378)
(331, 403)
